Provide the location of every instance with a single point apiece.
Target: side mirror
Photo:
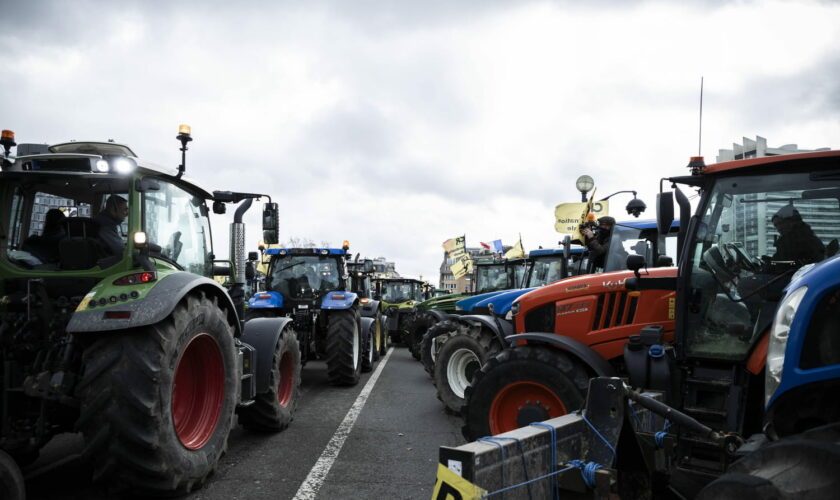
(271, 222)
(219, 207)
(635, 262)
(253, 256)
(146, 184)
(664, 211)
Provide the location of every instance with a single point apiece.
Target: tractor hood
(502, 301)
(442, 303)
(466, 304)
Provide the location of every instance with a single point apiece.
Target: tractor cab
(498, 274)
(361, 275)
(305, 275)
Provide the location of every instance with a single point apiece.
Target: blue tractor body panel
(338, 300)
(265, 300)
(821, 279)
(467, 303)
(503, 301)
(306, 251)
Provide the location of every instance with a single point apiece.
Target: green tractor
(397, 298)
(111, 324)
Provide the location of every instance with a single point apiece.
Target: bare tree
(298, 242)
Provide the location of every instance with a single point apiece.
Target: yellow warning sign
(451, 486)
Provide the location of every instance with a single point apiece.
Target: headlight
(514, 308)
(102, 166)
(778, 341)
(123, 166)
(458, 308)
(509, 316)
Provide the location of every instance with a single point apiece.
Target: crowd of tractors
(697, 317)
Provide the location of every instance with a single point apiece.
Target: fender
(501, 328)
(577, 348)
(262, 334)
(265, 300)
(369, 308)
(339, 300)
(158, 303)
(439, 315)
(365, 321)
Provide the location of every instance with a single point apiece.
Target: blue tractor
(312, 286)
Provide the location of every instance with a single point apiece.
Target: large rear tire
(344, 347)
(157, 403)
(385, 339)
(416, 329)
(274, 410)
(12, 486)
(521, 385)
(459, 359)
(434, 337)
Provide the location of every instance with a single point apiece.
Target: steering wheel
(742, 258)
(721, 263)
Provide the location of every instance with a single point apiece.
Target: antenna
(700, 133)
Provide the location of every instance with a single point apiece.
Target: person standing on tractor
(109, 220)
(797, 240)
(598, 243)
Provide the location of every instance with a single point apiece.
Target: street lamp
(584, 184)
(634, 207)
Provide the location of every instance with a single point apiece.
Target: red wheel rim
(286, 385)
(199, 391)
(518, 396)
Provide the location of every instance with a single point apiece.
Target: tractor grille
(614, 309)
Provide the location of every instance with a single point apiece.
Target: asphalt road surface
(389, 451)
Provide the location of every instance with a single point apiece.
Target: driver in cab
(797, 241)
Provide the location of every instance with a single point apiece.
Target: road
(389, 452)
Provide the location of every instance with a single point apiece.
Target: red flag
(485, 245)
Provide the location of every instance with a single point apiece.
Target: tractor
(748, 382)
(361, 274)
(397, 297)
(490, 275)
(313, 288)
(556, 337)
(111, 324)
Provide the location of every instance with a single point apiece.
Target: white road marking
(313, 482)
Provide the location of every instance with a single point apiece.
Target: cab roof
(768, 160)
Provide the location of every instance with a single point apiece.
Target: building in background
(758, 148)
(384, 269)
(759, 239)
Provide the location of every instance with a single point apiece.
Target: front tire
(382, 331)
(369, 352)
(458, 360)
(157, 402)
(274, 410)
(344, 347)
(521, 385)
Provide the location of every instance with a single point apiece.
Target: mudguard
(158, 303)
(365, 323)
(577, 348)
(438, 315)
(262, 334)
(369, 308)
(339, 300)
(501, 328)
(265, 300)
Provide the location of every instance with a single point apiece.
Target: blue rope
(540, 478)
(553, 433)
(659, 437)
(489, 439)
(587, 471)
(524, 462)
(583, 416)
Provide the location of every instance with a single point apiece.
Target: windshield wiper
(290, 266)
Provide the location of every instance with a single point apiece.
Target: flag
(569, 216)
(484, 245)
(497, 244)
(517, 251)
(461, 267)
(449, 245)
(460, 248)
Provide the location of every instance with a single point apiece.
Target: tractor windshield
(395, 292)
(754, 233)
(520, 272)
(303, 276)
(174, 220)
(492, 277)
(63, 221)
(627, 240)
(546, 270)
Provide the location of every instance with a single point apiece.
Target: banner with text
(569, 216)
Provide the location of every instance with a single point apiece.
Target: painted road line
(313, 482)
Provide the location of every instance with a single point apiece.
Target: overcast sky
(397, 125)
